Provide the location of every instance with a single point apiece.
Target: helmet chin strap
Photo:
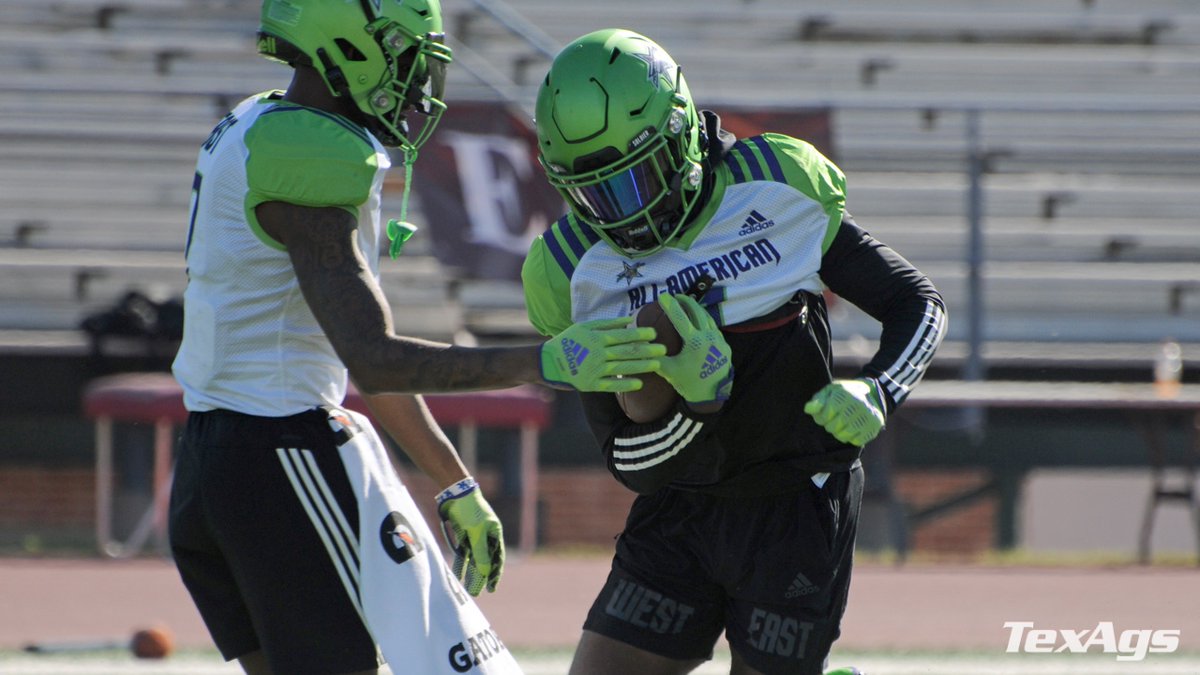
(333, 74)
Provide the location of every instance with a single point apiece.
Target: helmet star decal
(630, 272)
(657, 63)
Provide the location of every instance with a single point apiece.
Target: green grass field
(555, 663)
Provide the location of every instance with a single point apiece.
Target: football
(152, 643)
(657, 396)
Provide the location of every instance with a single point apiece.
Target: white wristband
(457, 490)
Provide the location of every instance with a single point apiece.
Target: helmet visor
(615, 196)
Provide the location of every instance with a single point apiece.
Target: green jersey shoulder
(796, 163)
(308, 157)
(546, 274)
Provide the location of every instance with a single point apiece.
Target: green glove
(597, 355)
(850, 410)
(702, 371)
(474, 534)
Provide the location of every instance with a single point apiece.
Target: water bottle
(1168, 369)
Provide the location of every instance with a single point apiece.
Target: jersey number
(196, 180)
(218, 132)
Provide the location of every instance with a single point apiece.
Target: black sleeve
(864, 271)
(679, 448)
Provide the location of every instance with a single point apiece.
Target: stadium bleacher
(1088, 110)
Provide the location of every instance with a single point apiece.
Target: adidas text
(755, 222)
(713, 363)
(1128, 645)
(574, 353)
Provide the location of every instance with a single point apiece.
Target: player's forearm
(645, 458)
(407, 420)
(358, 322)
(399, 364)
(356, 317)
(870, 275)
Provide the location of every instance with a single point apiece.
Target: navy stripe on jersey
(589, 234)
(769, 155)
(732, 163)
(557, 251)
(748, 155)
(899, 378)
(572, 239)
(646, 450)
(354, 129)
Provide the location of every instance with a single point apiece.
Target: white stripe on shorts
(327, 518)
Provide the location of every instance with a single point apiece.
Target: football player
(294, 535)
(749, 486)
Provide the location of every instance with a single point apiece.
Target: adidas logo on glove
(574, 353)
(713, 362)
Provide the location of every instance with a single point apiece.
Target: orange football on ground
(152, 643)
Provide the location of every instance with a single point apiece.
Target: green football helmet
(620, 138)
(388, 56)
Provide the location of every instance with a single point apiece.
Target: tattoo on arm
(354, 313)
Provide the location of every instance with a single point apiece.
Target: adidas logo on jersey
(755, 222)
(801, 586)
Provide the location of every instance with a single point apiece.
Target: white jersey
(250, 342)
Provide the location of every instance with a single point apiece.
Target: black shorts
(248, 553)
(772, 572)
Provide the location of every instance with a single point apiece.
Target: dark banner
(484, 196)
(812, 125)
